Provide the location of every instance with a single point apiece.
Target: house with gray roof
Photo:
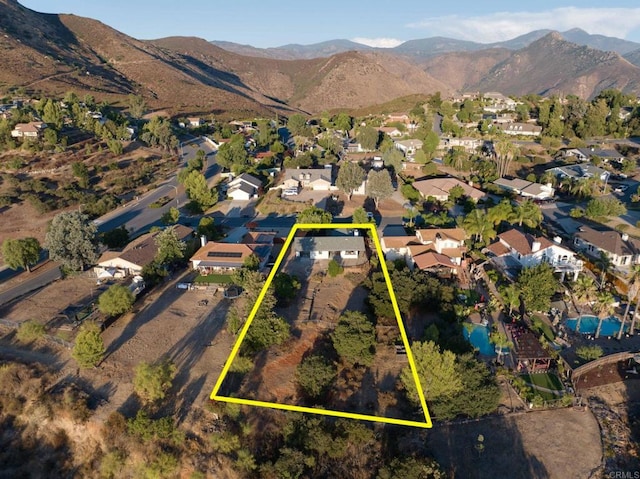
(317, 179)
(580, 172)
(329, 247)
(621, 249)
(587, 154)
(526, 189)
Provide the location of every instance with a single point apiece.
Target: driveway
(238, 208)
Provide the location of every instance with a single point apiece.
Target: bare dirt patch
(540, 444)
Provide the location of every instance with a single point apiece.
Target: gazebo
(530, 356)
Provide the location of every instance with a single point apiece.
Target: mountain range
(53, 54)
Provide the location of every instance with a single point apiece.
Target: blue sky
(376, 22)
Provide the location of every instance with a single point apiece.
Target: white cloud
(378, 42)
(499, 26)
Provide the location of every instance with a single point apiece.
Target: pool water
(479, 339)
(589, 324)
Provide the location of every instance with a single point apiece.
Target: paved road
(138, 216)
(34, 280)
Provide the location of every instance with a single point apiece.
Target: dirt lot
(559, 443)
(166, 322)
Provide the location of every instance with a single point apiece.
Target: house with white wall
(527, 250)
(329, 247)
(621, 249)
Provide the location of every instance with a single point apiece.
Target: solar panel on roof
(224, 254)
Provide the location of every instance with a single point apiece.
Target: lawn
(213, 279)
(540, 326)
(545, 380)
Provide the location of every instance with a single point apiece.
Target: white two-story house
(622, 250)
(527, 250)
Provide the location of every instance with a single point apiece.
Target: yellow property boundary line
(364, 417)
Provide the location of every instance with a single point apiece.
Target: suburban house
(397, 247)
(329, 247)
(497, 102)
(408, 147)
(467, 143)
(620, 248)
(446, 241)
(515, 249)
(580, 172)
(195, 122)
(391, 131)
(318, 179)
(525, 129)
(587, 154)
(244, 187)
(33, 129)
(355, 147)
(217, 257)
(398, 117)
(135, 256)
(439, 188)
(526, 189)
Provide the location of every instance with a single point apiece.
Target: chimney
(471, 183)
(625, 237)
(535, 246)
(203, 241)
(557, 239)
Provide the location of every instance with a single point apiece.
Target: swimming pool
(589, 324)
(479, 339)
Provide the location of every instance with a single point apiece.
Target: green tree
(343, 122)
(115, 146)
(589, 352)
(500, 212)
(411, 468)
(314, 215)
(297, 125)
(71, 239)
(379, 186)
(198, 190)
(604, 207)
(430, 145)
(21, 253)
(88, 349)
(393, 158)
(368, 137)
(170, 247)
(158, 133)
(511, 296)
(115, 238)
(81, 172)
(537, 285)
(314, 375)
(527, 213)
(233, 155)
(501, 342)
(354, 339)
(478, 225)
(603, 307)
(456, 193)
(360, 216)
(116, 300)
(285, 287)
(171, 216)
(137, 106)
(505, 152)
(633, 295)
(206, 227)
(152, 381)
(584, 290)
(334, 268)
(350, 177)
(30, 331)
(52, 114)
(436, 370)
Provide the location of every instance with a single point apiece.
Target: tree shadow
(501, 453)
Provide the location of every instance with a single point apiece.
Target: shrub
(89, 347)
(334, 268)
(589, 353)
(151, 382)
(30, 331)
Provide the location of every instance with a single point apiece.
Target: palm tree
(528, 213)
(511, 296)
(500, 212)
(584, 290)
(604, 264)
(632, 295)
(549, 177)
(603, 307)
(477, 224)
(501, 342)
(505, 151)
